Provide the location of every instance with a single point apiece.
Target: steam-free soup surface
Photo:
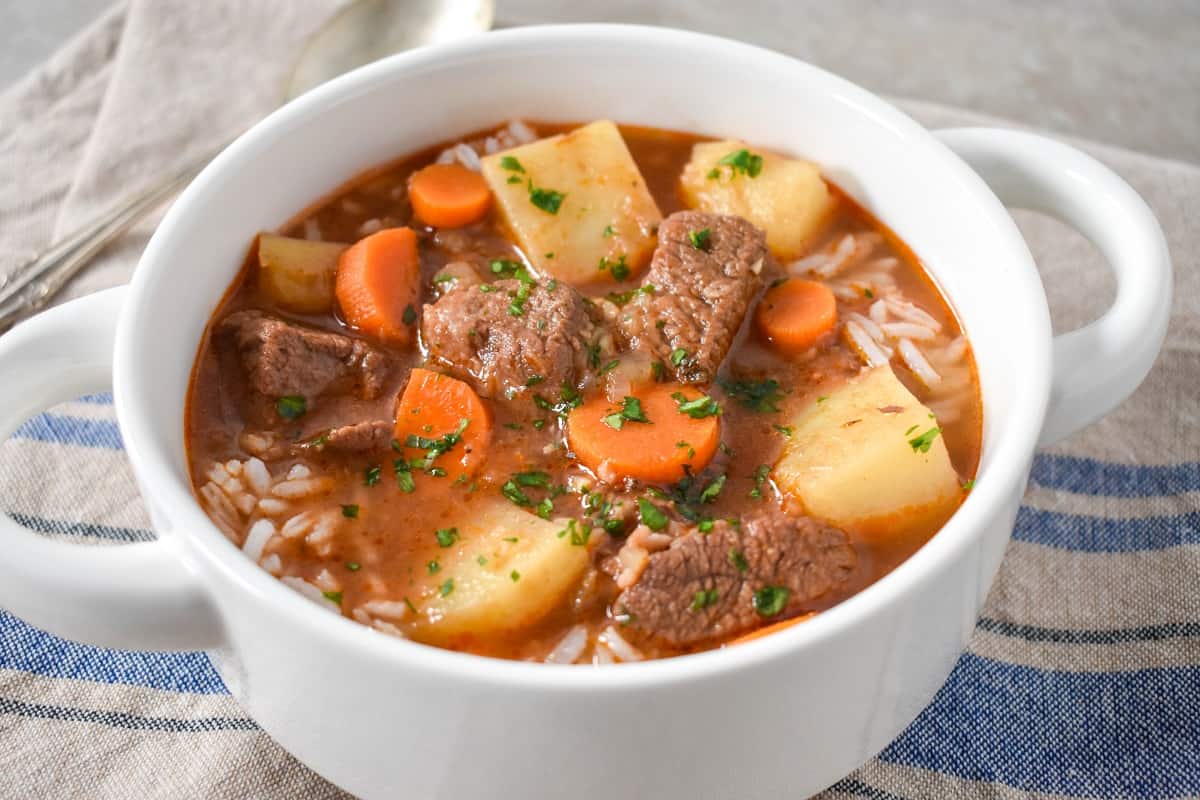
(589, 402)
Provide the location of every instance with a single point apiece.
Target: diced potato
(516, 583)
(298, 274)
(861, 454)
(787, 199)
(606, 211)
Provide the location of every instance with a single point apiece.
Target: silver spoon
(364, 31)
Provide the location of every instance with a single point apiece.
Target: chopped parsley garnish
(631, 411)
(434, 567)
(404, 478)
(447, 587)
(609, 367)
(743, 161)
(822, 398)
(547, 200)
(704, 598)
(545, 508)
(514, 494)
(657, 370)
(910, 430)
(761, 396)
(868, 293)
(513, 179)
(446, 536)
(922, 443)
(333, 597)
(513, 426)
(760, 478)
(969, 485)
(350, 511)
(608, 231)
(713, 490)
(738, 559)
(678, 356)
(353, 566)
(770, 600)
(576, 533)
(534, 380)
(619, 268)
(703, 406)
(372, 474)
(436, 447)
(652, 516)
(516, 576)
(511, 164)
(504, 268)
(538, 424)
(486, 287)
(786, 430)
(444, 277)
(293, 406)
(410, 315)
(511, 539)
(481, 561)
(701, 239)
(533, 478)
(705, 526)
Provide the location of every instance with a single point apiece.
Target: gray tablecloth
(1083, 679)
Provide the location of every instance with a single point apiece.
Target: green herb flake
(705, 526)
(910, 430)
(786, 430)
(608, 231)
(353, 566)
(761, 396)
(713, 490)
(701, 239)
(446, 537)
(447, 587)
(481, 561)
(434, 567)
(770, 600)
(609, 367)
(511, 539)
(868, 293)
(619, 269)
(410, 315)
(631, 409)
(547, 200)
(651, 515)
(760, 478)
(533, 478)
(545, 508)
(350, 511)
(704, 598)
(516, 576)
(678, 356)
(699, 408)
(333, 597)
(822, 398)
(738, 559)
(614, 421)
(739, 161)
(538, 424)
(372, 474)
(511, 164)
(513, 179)
(968, 485)
(924, 441)
(292, 406)
(404, 478)
(515, 495)
(534, 380)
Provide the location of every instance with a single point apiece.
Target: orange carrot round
(767, 630)
(795, 314)
(449, 195)
(613, 444)
(433, 405)
(377, 282)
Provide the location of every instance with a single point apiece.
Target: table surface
(1123, 72)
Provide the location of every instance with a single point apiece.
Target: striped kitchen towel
(1081, 681)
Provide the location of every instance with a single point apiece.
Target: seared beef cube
(282, 358)
(701, 589)
(499, 343)
(705, 272)
(360, 437)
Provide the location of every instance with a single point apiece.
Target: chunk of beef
(360, 437)
(770, 549)
(477, 335)
(282, 358)
(701, 293)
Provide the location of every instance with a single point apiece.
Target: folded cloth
(1081, 680)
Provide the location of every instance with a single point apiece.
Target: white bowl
(783, 716)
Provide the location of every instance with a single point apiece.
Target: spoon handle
(31, 286)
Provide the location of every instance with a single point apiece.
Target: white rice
(388, 609)
(273, 507)
(916, 362)
(272, 564)
(301, 488)
(871, 352)
(521, 132)
(467, 157)
(298, 471)
(257, 476)
(621, 648)
(260, 533)
(370, 226)
(326, 582)
(308, 590)
(908, 330)
(910, 313)
(602, 655)
(299, 524)
(570, 647)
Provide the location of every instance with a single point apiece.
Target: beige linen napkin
(153, 82)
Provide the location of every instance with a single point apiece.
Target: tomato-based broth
(583, 394)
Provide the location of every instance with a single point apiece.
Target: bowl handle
(1099, 365)
(139, 596)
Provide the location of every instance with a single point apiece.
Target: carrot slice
(767, 630)
(449, 195)
(377, 282)
(658, 451)
(795, 314)
(433, 406)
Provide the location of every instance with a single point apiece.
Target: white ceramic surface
(783, 716)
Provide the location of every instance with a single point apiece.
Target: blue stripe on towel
(60, 429)
(82, 529)
(1147, 633)
(119, 719)
(99, 399)
(1092, 477)
(1105, 534)
(1089, 734)
(28, 649)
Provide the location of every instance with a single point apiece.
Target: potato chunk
(506, 569)
(869, 450)
(785, 197)
(602, 214)
(298, 274)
